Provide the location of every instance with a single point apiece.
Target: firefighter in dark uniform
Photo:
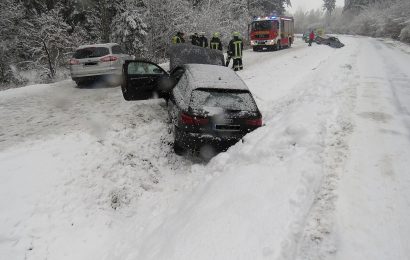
(195, 39)
(203, 41)
(235, 49)
(215, 42)
(178, 38)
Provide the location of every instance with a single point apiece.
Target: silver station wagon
(98, 62)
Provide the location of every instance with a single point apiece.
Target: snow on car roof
(213, 76)
(110, 44)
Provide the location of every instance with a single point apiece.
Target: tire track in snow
(314, 235)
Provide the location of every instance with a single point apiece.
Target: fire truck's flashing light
(265, 18)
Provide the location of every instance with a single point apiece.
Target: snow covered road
(86, 175)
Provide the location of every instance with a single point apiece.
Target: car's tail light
(254, 122)
(108, 58)
(193, 120)
(73, 61)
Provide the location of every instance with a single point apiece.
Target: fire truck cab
(271, 32)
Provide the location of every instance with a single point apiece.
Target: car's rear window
(226, 99)
(91, 52)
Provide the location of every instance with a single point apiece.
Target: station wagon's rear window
(91, 52)
(226, 99)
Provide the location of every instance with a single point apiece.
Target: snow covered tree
(103, 13)
(267, 6)
(129, 30)
(164, 19)
(46, 42)
(329, 6)
(10, 24)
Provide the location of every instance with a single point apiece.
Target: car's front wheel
(178, 149)
(79, 83)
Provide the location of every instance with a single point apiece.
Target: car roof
(213, 77)
(110, 44)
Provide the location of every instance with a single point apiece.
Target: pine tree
(329, 6)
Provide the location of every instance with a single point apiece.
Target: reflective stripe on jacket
(176, 39)
(215, 44)
(235, 48)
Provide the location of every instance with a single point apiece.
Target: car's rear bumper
(78, 73)
(195, 141)
(107, 77)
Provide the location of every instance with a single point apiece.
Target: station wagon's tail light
(73, 61)
(193, 120)
(108, 58)
(254, 122)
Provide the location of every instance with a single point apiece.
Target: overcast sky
(309, 4)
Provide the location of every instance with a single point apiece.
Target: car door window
(91, 52)
(143, 68)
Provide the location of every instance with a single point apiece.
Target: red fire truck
(271, 32)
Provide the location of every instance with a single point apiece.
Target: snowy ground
(86, 175)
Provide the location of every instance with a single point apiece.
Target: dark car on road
(209, 106)
(329, 40)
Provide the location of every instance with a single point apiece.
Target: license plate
(90, 63)
(226, 121)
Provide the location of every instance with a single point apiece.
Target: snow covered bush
(405, 34)
(382, 19)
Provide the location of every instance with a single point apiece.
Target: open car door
(142, 80)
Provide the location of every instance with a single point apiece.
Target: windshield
(91, 52)
(262, 25)
(226, 99)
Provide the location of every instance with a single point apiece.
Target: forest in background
(39, 36)
(375, 18)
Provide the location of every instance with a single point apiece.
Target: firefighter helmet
(216, 34)
(236, 34)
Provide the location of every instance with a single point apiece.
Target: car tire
(178, 149)
(79, 84)
(126, 94)
(255, 48)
